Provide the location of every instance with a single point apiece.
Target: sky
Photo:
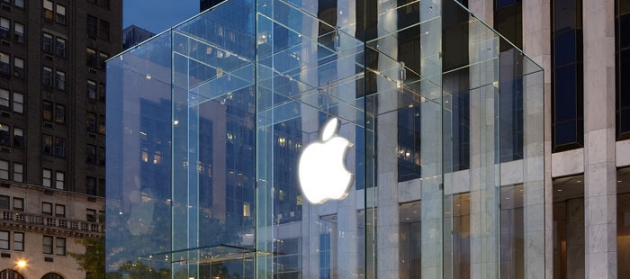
(158, 15)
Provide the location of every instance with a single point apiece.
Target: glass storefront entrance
(325, 139)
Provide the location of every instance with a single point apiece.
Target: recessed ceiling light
(579, 181)
(619, 181)
(559, 190)
(507, 198)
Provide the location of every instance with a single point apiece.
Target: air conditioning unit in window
(5, 43)
(92, 71)
(6, 7)
(49, 57)
(49, 125)
(92, 135)
(5, 149)
(6, 114)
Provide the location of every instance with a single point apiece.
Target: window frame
(18, 175)
(5, 240)
(61, 47)
(47, 77)
(19, 70)
(60, 80)
(47, 177)
(48, 251)
(19, 37)
(18, 102)
(18, 241)
(47, 208)
(60, 245)
(17, 201)
(60, 180)
(4, 171)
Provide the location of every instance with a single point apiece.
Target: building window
(4, 202)
(18, 102)
(4, 98)
(48, 9)
(46, 177)
(4, 240)
(47, 208)
(18, 67)
(60, 178)
(18, 204)
(90, 215)
(48, 43)
(19, 3)
(61, 80)
(622, 59)
(90, 155)
(48, 244)
(101, 124)
(47, 108)
(18, 138)
(60, 210)
(102, 58)
(4, 170)
(5, 28)
(5, 138)
(90, 123)
(61, 246)
(90, 189)
(103, 30)
(91, 58)
(508, 18)
(18, 172)
(18, 33)
(18, 241)
(5, 64)
(48, 77)
(91, 26)
(47, 144)
(60, 114)
(60, 147)
(101, 156)
(567, 75)
(91, 90)
(61, 47)
(101, 92)
(61, 14)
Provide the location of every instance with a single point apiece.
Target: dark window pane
(565, 97)
(565, 133)
(564, 15)
(624, 31)
(566, 49)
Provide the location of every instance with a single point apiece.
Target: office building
(52, 130)
(133, 35)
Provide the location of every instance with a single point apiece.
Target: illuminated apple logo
(323, 175)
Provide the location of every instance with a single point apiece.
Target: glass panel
(139, 194)
(224, 183)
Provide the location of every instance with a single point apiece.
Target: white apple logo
(322, 173)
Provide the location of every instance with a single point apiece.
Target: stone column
(575, 238)
(600, 192)
(537, 44)
(387, 235)
(484, 9)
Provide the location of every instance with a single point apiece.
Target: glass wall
(225, 122)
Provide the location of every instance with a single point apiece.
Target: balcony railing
(18, 217)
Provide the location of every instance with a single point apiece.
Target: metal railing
(51, 221)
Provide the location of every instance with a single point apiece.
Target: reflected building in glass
(444, 118)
